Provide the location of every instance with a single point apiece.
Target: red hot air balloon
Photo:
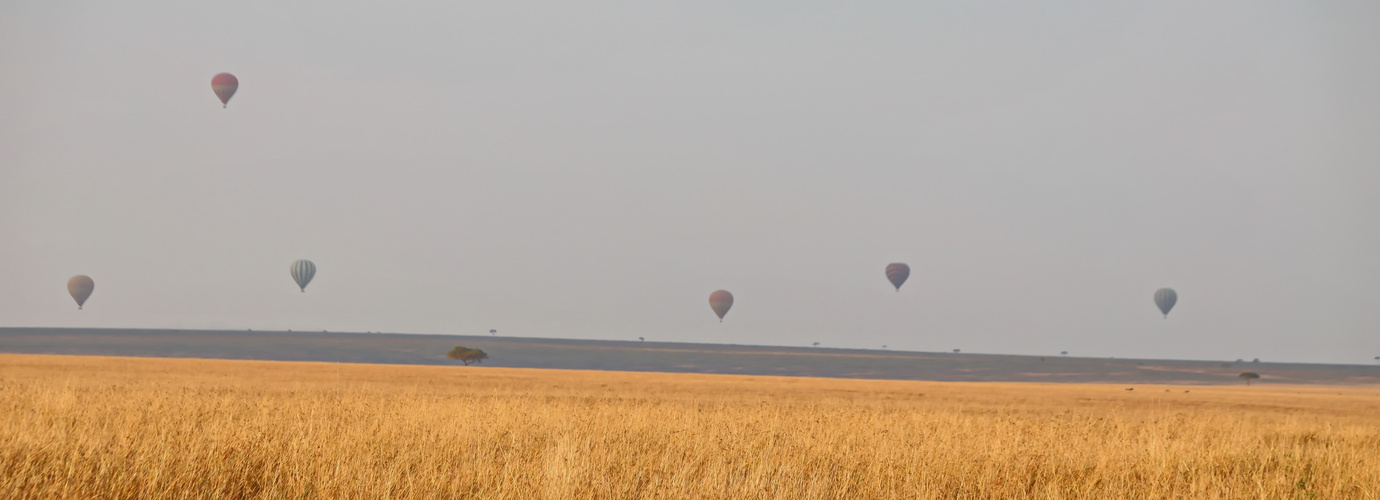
(897, 274)
(720, 301)
(80, 287)
(224, 86)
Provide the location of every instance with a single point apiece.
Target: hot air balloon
(302, 272)
(720, 301)
(897, 274)
(224, 86)
(80, 286)
(1165, 298)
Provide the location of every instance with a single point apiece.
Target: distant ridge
(414, 349)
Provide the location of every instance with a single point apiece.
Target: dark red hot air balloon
(224, 86)
(720, 301)
(897, 273)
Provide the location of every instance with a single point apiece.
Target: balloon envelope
(80, 287)
(224, 85)
(897, 274)
(302, 272)
(1165, 298)
(720, 301)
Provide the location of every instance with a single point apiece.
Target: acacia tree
(1248, 376)
(466, 355)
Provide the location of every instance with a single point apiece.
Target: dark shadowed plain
(666, 357)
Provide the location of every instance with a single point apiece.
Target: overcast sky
(595, 169)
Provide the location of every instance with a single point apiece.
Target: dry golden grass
(87, 427)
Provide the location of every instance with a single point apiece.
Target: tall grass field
(132, 428)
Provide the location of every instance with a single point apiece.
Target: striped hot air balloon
(302, 272)
(1165, 298)
(897, 273)
(80, 287)
(225, 85)
(720, 301)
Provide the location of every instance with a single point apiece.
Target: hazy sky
(596, 169)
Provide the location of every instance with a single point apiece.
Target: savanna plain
(94, 427)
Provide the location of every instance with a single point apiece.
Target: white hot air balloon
(80, 287)
(302, 272)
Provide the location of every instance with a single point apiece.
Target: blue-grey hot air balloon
(302, 272)
(1165, 298)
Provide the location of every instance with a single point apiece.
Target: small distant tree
(493, 332)
(1249, 376)
(1063, 353)
(1256, 360)
(466, 355)
(816, 344)
(640, 339)
(956, 351)
(883, 346)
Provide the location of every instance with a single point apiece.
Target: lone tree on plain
(1248, 376)
(1063, 353)
(956, 351)
(640, 339)
(466, 355)
(493, 332)
(816, 344)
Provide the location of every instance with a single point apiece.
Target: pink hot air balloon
(720, 301)
(897, 273)
(225, 85)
